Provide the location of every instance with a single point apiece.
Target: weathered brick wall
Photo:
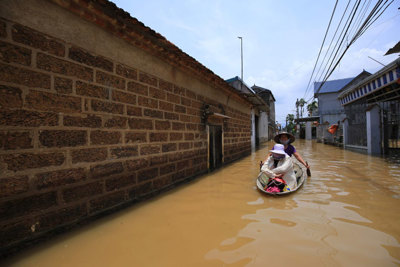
(81, 133)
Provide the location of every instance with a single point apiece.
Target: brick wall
(81, 133)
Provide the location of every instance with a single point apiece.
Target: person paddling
(286, 139)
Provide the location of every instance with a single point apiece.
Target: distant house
(372, 108)
(259, 113)
(269, 98)
(330, 109)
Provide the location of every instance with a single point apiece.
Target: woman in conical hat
(287, 139)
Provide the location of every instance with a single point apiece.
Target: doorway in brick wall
(214, 146)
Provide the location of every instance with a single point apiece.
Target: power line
(341, 36)
(355, 26)
(367, 23)
(348, 23)
(319, 53)
(330, 44)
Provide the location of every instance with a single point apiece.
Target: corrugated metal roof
(331, 86)
(249, 93)
(260, 91)
(394, 49)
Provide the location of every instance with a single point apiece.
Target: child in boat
(286, 139)
(280, 165)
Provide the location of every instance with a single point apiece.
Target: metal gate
(356, 115)
(391, 131)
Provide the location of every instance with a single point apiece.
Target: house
(99, 111)
(259, 113)
(372, 110)
(329, 108)
(269, 98)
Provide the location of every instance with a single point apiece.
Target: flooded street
(347, 214)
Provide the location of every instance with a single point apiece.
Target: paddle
(308, 170)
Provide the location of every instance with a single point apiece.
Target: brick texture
(16, 140)
(59, 178)
(13, 185)
(47, 101)
(105, 137)
(82, 191)
(126, 72)
(104, 170)
(107, 107)
(91, 90)
(90, 121)
(60, 66)
(17, 162)
(27, 36)
(89, 155)
(61, 138)
(10, 97)
(27, 118)
(82, 133)
(15, 54)
(82, 56)
(24, 76)
(110, 80)
(63, 85)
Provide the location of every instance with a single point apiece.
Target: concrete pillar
(297, 134)
(345, 132)
(308, 130)
(373, 130)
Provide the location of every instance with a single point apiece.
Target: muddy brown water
(347, 214)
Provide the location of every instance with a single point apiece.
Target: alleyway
(347, 214)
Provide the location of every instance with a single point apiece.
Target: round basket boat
(300, 176)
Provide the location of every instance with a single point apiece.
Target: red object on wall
(333, 128)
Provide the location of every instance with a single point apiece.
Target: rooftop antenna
(241, 55)
(376, 61)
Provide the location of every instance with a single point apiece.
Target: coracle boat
(300, 176)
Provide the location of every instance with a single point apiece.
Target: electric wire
(372, 17)
(330, 44)
(353, 29)
(322, 45)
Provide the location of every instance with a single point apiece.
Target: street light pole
(241, 55)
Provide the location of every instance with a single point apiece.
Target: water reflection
(346, 214)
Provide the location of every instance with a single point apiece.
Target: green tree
(311, 107)
(290, 126)
(301, 104)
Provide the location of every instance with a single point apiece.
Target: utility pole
(241, 55)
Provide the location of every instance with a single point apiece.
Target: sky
(281, 40)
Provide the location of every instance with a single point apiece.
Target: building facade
(372, 108)
(269, 98)
(260, 114)
(330, 110)
(98, 111)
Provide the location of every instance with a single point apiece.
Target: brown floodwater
(347, 214)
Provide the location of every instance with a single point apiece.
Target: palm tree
(290, 118)
(311, 107)
(302, 102)
(290, 122)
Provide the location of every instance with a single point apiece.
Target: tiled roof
(331, 86)
(261, 91)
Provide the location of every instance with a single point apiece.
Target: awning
(387, 77)
(313, 118)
